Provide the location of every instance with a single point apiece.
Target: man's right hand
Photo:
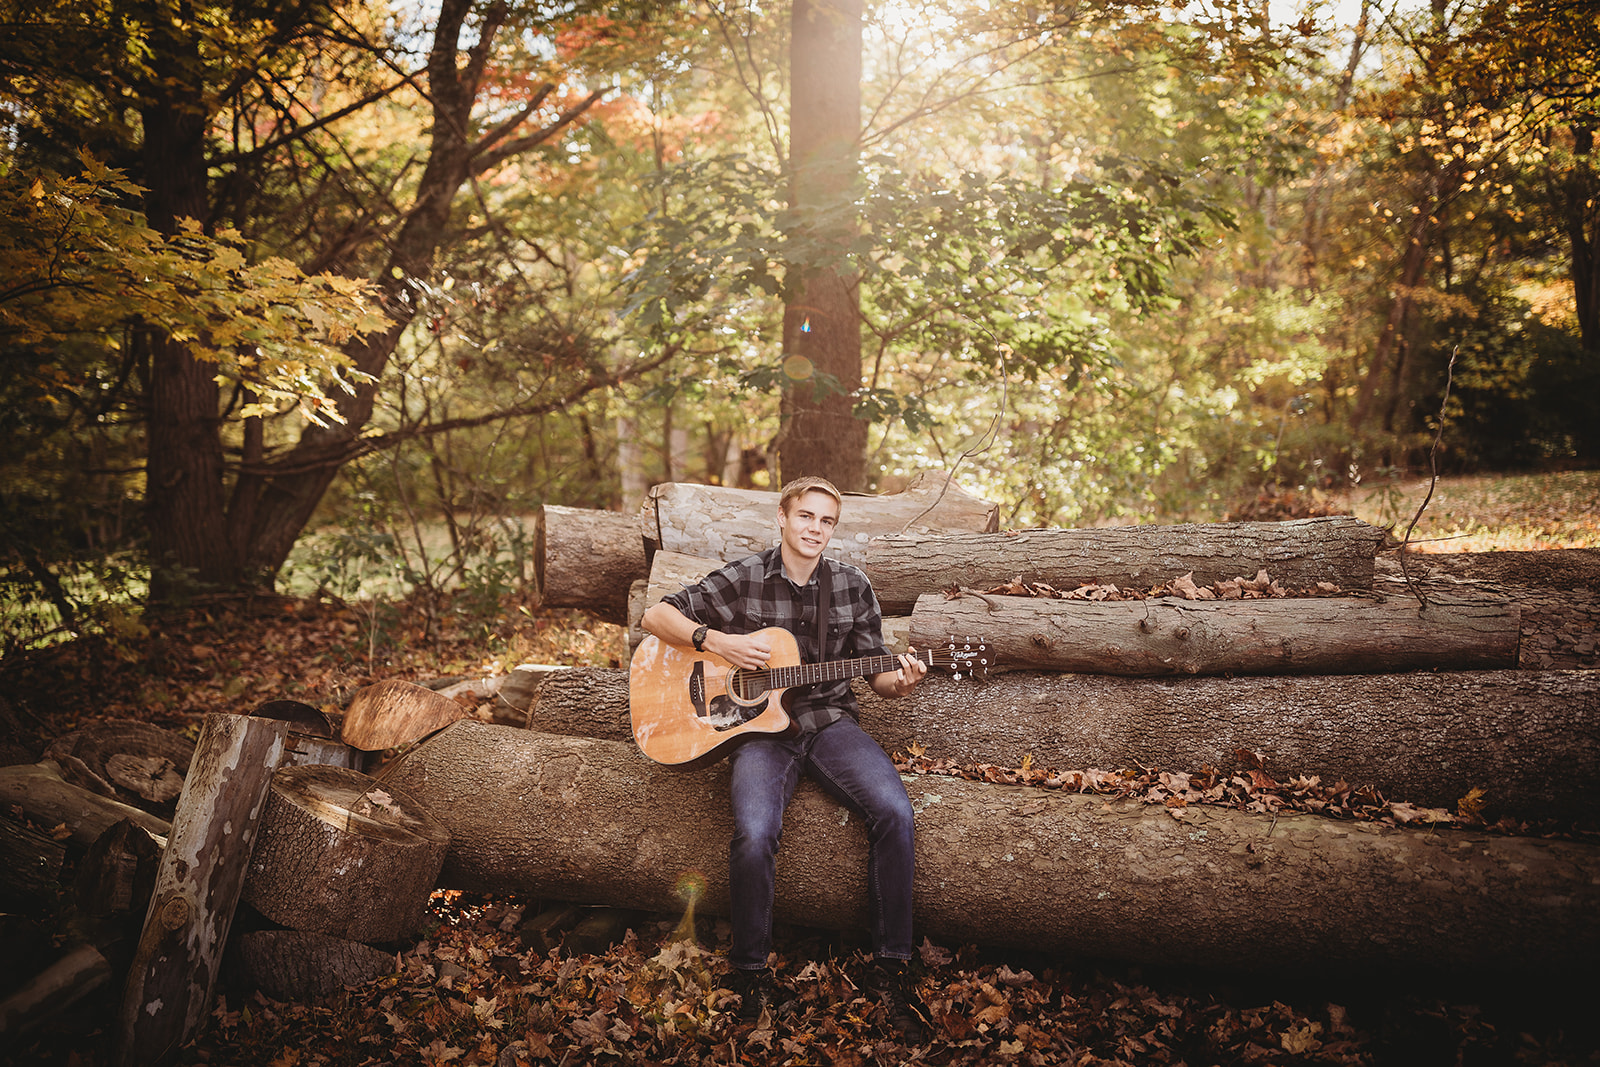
(750, 651)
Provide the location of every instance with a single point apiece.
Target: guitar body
(686, 706)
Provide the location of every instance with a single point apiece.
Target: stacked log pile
(265, 809)
(1354, 678)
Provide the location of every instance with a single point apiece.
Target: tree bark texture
(1170, 636)
(715, 522)
(343, 855)
(295, 965)
(1297, 554)
(1531, 739)
(821, 434)
(594, 821)
(587, 559)
(175, 966)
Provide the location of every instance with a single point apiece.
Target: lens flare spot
(798, 368)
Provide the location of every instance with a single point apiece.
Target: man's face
(807, 526)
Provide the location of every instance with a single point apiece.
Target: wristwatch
(699, 638)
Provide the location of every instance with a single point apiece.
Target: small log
(175, 967)
(587, 559)
(671, 571)
(30, 866)
(508, 696)
(136, 763)
(344, 855)
(388, 714)
(636, 609)
(580, 819)
(58, 987)
(1530, 738)
(1169, 636)
(44, 797)
(1298, 554)
(298, 965)
(312, 738)
(117, 874)
(728, 524)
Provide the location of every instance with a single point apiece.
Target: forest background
(296, 295)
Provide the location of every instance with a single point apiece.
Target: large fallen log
(1297, 554)
(587, 559)
(1530, 739)
(1170, 636)
(581, 819)
(722, 523)
(39, 790)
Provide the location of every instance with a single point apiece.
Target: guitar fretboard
(830, 671)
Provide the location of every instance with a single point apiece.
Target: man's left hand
(910, 673)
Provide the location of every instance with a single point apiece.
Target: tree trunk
(343, 855)
(588, 559)
(1171, 636)
(175, 967)
(1413, 263)
(716, 522)
(822, 316)
(1531, 739)
(294, 965)
(199, 531)
(594, 821)
(1296, 554)
(184, 492)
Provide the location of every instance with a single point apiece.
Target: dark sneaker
(754, 989)
(904, 1011)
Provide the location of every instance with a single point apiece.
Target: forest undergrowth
(472, 990)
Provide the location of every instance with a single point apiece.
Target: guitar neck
(836, 670)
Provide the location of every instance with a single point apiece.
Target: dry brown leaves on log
(1249, 789)
(1262, 586)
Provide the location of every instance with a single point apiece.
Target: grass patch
(1486, 513)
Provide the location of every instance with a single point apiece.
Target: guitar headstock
(965, 656)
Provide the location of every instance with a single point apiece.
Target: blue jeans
(852, 768)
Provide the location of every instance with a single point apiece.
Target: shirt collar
(774, 567)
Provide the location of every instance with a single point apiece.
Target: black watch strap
(699, 638)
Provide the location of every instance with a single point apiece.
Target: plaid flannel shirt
(756, 593)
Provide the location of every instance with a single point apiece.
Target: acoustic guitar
(688, 707)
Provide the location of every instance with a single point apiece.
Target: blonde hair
(801, 486)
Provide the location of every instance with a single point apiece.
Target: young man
(720, 614)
